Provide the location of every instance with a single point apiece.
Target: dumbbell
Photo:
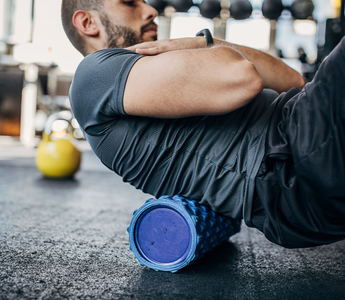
(169, 233)
(272, 9)
(300, 9)
(181, 5)
(210, 8)
(240, 9)
(159, 5)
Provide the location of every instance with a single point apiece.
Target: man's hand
(161, 46)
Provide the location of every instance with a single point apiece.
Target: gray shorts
(300, 200)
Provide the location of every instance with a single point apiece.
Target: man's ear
(86, 23)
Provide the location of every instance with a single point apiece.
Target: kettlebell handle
(61, 115)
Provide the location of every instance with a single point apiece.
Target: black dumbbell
(302, 9)
(240, 9)
(272, 9)
(159, 5)
(181, 5)
(210, 8)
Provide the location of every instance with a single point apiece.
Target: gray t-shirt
(212, 159)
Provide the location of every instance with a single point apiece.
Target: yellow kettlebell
(57, 158)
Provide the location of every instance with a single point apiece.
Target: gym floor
(68, 239)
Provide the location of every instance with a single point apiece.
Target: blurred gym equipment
(272, 9)
(29, 92)
(181, 5)
(300, 9)
(240, 9)
(159, 5)
(57, 156)
(334, 32)
(210, 8)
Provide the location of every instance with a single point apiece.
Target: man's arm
(275, 73)
(184, 83)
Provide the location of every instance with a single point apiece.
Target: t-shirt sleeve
(96, 93)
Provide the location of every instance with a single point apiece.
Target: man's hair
(68, 8)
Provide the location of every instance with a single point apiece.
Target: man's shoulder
(99, 82)
(101, 56)
(104, 63)
(104, 53)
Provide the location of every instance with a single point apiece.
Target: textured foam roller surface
(169, 233)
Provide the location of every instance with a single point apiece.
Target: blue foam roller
(169, 233)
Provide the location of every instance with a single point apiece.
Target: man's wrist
(208, 36)
(201, 42)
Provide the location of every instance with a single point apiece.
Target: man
(183, 117)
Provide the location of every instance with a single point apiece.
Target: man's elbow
(300, 82)
(254, 83)
(250, 84)
(293, 80)
(258, 84)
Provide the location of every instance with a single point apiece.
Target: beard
(120, 36)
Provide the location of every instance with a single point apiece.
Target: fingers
(149, 44)
(157, 47)
(150, 51)
(146, 48)
(145, 45)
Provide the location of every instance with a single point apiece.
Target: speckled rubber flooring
(67, 239)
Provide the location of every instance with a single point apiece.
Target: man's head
(92, 25)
